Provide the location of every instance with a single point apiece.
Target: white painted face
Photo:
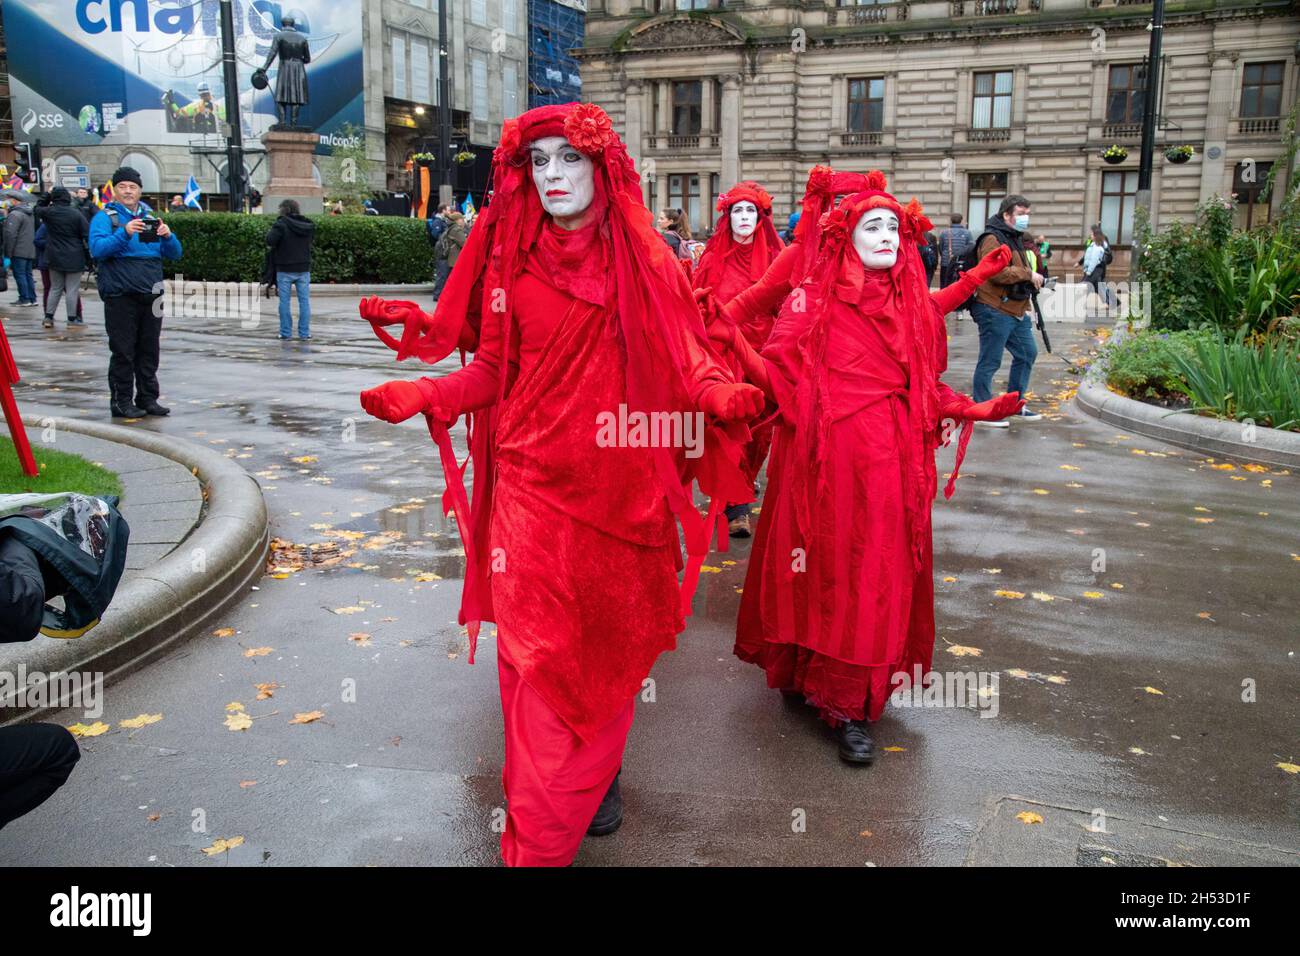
(876, 239)
(744, 220)
(565, 179)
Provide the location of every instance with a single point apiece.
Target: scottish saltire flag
(192, 194)
(467, 207)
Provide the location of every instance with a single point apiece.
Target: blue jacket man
(128, 245)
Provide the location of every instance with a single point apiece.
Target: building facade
(555, 28)
(960, 102)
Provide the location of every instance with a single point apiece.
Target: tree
(348, 170)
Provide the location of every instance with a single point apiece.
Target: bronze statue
(291, 79)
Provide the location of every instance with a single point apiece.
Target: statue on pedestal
(291, 79)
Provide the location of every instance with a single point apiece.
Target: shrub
(231, 247)
(1144, 365)
(1239, 381)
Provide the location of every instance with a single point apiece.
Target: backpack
(967, 261)
(1107, 258)
(442, 248)
(690, 249)
(436, 226)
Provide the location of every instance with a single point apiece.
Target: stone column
(1221, 106)
(706, 111)
(730, 139)
(632, 132)
(663, 122)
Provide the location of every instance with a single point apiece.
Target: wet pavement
(1142, 709)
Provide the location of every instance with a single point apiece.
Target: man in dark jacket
(20, 247)
(291, 238)
(84, 203)
(1000, 307)
(66, 235)
(129, 244)
(448, 249)
(953, 244)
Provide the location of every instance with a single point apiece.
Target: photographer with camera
(128, 244)
(1000, 305)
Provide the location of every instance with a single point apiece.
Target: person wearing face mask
(577, 310)
(743, 245)
(854, 364)
(1001, 305)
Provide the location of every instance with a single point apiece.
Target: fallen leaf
(1204, 615)
(1224, 467)
(1117, 586)
(1093, 595)
(1027, 817)
(1152, 690)
(1009, 594)
(1057, 679)
(350, 609)
(308, 717)
(960, 650)
(1042, 596)
(949, 579)
(154, 817)
(281, 762)
(1069, 468)
(245, 784)
(93, 730)
(258, 651)
(222, 845)
(894, 750)
(360, 638)
(224, 632)
(709, 569)
(234, 705)
(135, 723)
(304, 459)
(265, 691)
(992, 570)
(1289, 767)
(1017, 672)
(238, 721)
(1041, 491)
(1137, 750)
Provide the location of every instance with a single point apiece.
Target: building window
(509, 91)
(479, 107)
(985, 192)
(686, 108)
(1261, 90)
(667, 6)
(1118, 195)
(478, 12)
(992, 104)
(1126, 93)
(714, 187)
(509, 16)
(1252, 195)
(717, 106)
(399, 68)
(867, 104)
(684, 194)
(420, 71)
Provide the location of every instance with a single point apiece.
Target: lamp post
(442, 168)
(1143, 199)
(234, 128)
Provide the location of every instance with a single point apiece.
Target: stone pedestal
(289, 155)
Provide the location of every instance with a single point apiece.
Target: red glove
(397, 401)
(721, 332)
(995, 409)
(375, 309)
(991, 265)
(732, 402)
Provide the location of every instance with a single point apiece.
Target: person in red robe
(582, 322)
(743, 245)
(839, 595)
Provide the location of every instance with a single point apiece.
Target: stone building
(960, 102)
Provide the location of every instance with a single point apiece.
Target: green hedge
(230, 247)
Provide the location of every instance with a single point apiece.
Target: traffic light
(29, 164)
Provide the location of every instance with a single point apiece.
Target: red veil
(654, 304)
(721, 245)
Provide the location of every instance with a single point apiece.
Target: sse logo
(31, 120)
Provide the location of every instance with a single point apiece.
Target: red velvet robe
(581, 542)
(836, 612)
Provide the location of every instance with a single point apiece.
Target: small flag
(467, 207)
(105, 194)
(192, 194)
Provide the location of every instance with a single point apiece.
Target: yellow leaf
(281, 763)
(1257, 469)
(960, 650)
(1224, 467)
(234, 705)
(308, 717)
(949, 579)
(992, 570)
(1057, 679)
(1027, 817)
(1009, 594)
(266, 690)
(1137, 750)
(1204, 520)
(238, 721)
(1152, 690)
(1200, 508)
(351, 609)
(1041, 491)
(93, 730)
(894, 750)
(710, 569)
(1093, 595)
(1042, 596)
(1117, 586)
(361, 638)
(1204, 615)
(1069, 468)
(1017, 672)
(304, 459)
(258, 651)
(135, 723)
(222, 845)
(223, 632)
(1289, 767)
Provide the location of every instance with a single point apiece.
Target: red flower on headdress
(510, 142)
(876, 180)
(588, 129)
(835, 224)
(914, 214)
(819, 179)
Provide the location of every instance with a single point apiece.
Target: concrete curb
(170, 601)
(390, 290)
(1210, 436)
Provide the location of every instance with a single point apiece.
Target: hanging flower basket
(464, 157)
(1114, 155)
(422, 157)
(1179, 154)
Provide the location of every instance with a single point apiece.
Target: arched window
(144, 164)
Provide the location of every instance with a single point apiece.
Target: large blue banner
(141, 72)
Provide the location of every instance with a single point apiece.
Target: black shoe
(738, 527)
(609, 816)
(47, 322)
(76, 322)
(153, 408)
(126, 411)
(856, 745)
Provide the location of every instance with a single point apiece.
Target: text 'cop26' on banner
(142, 72)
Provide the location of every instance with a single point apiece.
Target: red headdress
(764, 248)
(903, 291)
(638, 277)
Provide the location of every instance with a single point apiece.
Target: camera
(150, 231)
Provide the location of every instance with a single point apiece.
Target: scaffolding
(554, 28)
